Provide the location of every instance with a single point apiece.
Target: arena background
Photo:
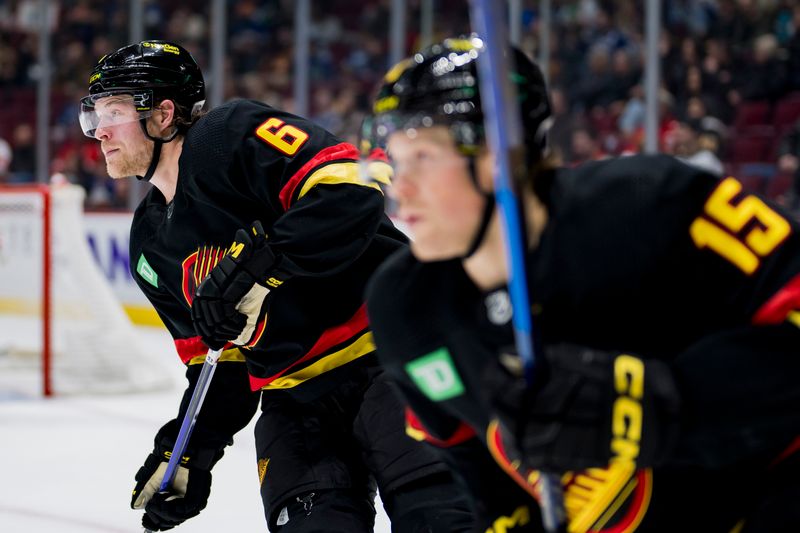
(728, 92)
(719, 87)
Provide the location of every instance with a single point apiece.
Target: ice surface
(67, 464)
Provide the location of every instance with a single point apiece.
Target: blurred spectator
(624, 75)
(322, 111)
(596, 88)
(23, 162)
(584, 147)
(793, 51)
(789, 164)
(686, 144)
(765, 76)
(712, 132)
(5, 161)
(718, 78)
(731, 26)
(694, 16)
(631, 121)
(560, 133)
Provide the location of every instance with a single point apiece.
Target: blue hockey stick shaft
(190, 418)
(504, 134)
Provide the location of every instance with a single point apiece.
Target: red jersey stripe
(462, 434)
(777, 308)
(190, 348)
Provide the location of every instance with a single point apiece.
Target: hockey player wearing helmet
(666, 307)
(258, 237)
(152, 79)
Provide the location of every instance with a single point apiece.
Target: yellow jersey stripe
(232, 354)
(360, 347)
(335, 174)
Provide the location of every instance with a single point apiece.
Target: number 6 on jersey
(285, 137)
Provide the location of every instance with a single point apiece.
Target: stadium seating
(749, 148)
(751, 114)
(786, 112)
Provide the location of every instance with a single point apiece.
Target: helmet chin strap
(158, 143)
(488, 211)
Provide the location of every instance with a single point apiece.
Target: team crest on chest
(197, 266)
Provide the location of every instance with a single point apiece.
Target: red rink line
(91, 526)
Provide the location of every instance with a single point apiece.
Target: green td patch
(147, 273)
(436, 376)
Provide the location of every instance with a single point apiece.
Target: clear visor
(433, 154)
(375, 165)
(111, 109)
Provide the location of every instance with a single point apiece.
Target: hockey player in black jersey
(258, 236)
(666, 306)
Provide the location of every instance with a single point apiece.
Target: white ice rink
(67, 464)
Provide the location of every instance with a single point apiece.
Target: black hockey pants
(321, 462)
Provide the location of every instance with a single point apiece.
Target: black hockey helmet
(150, 72)
(439, 85)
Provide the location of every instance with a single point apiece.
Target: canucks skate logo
(436, 375)
(197, 266)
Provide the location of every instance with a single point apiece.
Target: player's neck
(487, 266)
(165, 178)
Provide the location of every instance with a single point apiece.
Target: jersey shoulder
(252, 147)
(211, 140)
(228, 128)
(634, 188)
(639, 177)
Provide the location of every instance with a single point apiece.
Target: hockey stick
(189, 419)
(504, 134)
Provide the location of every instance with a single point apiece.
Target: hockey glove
(586, 408)
(190, 487)
(227, 304)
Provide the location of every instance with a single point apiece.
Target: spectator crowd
(729, 99)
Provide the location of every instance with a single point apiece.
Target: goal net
(62, 330)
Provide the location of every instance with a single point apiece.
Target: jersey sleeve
(323, 215)
(229, 404)
(740, 396)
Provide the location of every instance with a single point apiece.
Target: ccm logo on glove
(626, 417)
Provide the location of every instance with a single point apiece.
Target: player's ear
(165, 117)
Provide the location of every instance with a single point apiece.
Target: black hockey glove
(229, 301)
(190, 487)
(586, 408)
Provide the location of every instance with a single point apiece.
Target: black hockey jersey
(644, 255)
(246, 161)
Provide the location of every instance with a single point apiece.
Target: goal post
(62, 329)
